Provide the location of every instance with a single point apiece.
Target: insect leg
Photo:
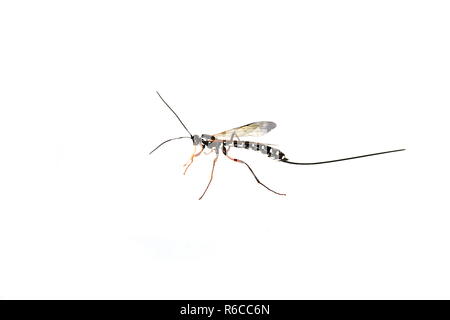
(190, 160)
(254, 175)
(188, 164)
(210, 179)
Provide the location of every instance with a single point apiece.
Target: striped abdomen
(256, 146)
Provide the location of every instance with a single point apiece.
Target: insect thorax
(204, 139)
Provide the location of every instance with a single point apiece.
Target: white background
(87, 213)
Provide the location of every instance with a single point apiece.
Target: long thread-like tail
(350, 158)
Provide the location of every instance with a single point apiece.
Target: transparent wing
(254, 129)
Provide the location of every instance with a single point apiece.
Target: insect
(223, 141)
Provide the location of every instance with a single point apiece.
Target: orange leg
(257, 180)
(210, 179)
(188, 164)
(190, 160)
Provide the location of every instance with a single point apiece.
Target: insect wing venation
(254, 129)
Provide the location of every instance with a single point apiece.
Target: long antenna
(174, 114)
(329, 161)
(166, 142)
